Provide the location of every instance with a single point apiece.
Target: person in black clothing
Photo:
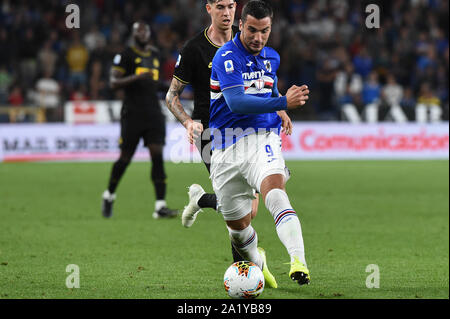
(136, 70)
(194, 67)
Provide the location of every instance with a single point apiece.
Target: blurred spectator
(371, 90)
(97, 84)
(363, 62)
(371, 97)
(428, 105)
(392, 91)
(77, 58)
(47, 95)
(94, 39)
(79, 93)
(392, 94)
(16, 98)
(326, 75)
(6, 49)
(27, 55)
(5, 82)
(348, 84)
(441, 42)
(408, 102)
(411, 44)
(47, 90)
(47, 58)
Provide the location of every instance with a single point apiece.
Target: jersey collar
(205, 32)
(237, 42)
(142, 53)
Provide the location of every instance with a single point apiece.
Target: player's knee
(276, 181)
(239, 224)
(126, 156)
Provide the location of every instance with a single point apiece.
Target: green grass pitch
(394, 214)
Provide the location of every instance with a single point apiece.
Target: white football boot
(192, 209)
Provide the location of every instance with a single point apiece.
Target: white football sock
(108, 196)
(246, 243)
(160, 204)
(287, 223)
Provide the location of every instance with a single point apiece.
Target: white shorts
(240, 169)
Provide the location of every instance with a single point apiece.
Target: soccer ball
(243, 280)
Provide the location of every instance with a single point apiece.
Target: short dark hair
(258, 9)
(214, 1)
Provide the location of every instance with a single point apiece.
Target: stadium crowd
(323, 43)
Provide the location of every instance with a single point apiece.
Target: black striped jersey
(141, 96)
(194, 67)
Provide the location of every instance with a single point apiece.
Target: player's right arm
(122, 72)
(173, 103)
(227, 69)
(117, 80)
(182, 76)
(297, 96)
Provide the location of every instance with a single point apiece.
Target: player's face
(255, 33)
(222, 13)
(141, 34)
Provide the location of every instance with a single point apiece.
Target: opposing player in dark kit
(136, 70)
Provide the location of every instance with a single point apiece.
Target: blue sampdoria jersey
(234, 66)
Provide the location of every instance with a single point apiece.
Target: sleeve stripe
(182, 81)
(233, 86)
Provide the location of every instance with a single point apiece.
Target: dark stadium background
(317, 40)
(366, 193)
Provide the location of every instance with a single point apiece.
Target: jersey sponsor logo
(253, 75)
(229, 67)
(262, 85)
(226, 53)
(178, 61)
(259, 84)
(249, 63)
(117, 59)
(155, 72)
(141, 70)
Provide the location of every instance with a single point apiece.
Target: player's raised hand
(297, 96)
(194, 130)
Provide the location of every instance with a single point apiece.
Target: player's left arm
(286, 123)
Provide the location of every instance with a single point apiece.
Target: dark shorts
(131, 131)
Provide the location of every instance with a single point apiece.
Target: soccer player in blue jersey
(246, 144)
